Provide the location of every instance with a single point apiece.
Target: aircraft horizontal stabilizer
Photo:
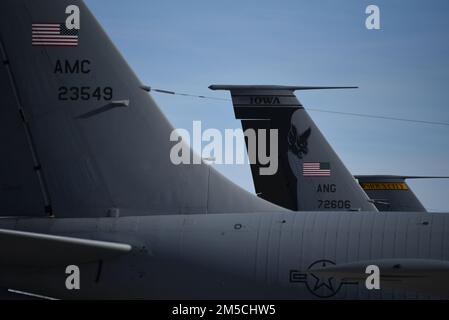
(413, 275)
(376, 176)
(274, 87)
(391, 192)
(18, 248)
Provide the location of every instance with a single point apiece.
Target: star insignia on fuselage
(319, 286)
(320, 282)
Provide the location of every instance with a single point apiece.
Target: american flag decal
(53, 34)
(316, 169)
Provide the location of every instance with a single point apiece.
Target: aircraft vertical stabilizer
(80, 135)
(391, 192)
(310, 176)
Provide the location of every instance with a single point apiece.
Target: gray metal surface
(18, 248)
(236, 255)
(20, 194)
(95, 158)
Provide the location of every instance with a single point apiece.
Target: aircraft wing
(413, 275)
(18, 248)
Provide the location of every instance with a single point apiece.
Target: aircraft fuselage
(260, 255)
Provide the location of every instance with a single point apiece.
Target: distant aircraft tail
(310, 176)
(79, 136)
(392, 193)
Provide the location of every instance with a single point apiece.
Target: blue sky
(402, 71)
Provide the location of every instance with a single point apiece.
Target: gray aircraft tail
(391, 192)
(310, 174)
(79, 136)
